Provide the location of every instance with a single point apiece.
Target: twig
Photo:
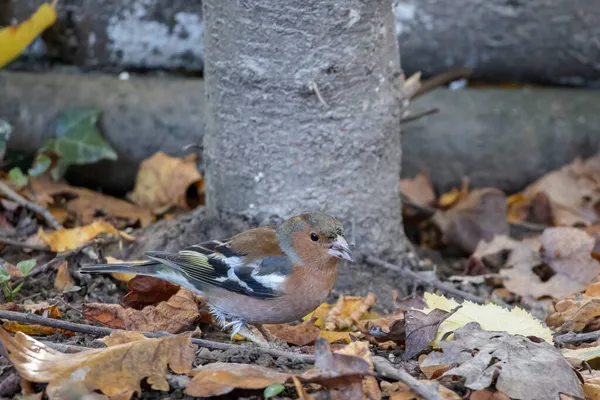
(419, 115)
(312, 86)
(442, 79)
(573, 337)
(387, 370)
(60, 256)
(102, 331)
(14, 196)
(407, 273)
(23, 245)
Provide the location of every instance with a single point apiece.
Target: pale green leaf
(40, 165)
(26, 266)
(4, 276)
(273, 390)
(17, 177)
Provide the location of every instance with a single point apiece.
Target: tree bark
(303, 114)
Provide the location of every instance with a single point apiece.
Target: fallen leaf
(573, 192)
(401, 391)
(43, 308)
(123, 277)
(537, 209)
(34, 329)
(9, 307)
(172, 316)
(488, 395)
(337, 320)
(480, 216)
(566, 251)
(576, 357)
(406, 303)
(118, 337)
(147, 290)
(86, 205)
(302, 334)
(455, 196)
(115, 370)
(219, 378)
(164, 181)
(511, 362)
(433, 371)
(13, 271)
(591, 385)
(593, 289)
(69, 239)
(419, 189)
(388, 327)
(574, 313)
(594, 231)
(369, 383)
(421, 329)
(490, 317)
(63, 280)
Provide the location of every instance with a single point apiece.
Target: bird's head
(313, 236)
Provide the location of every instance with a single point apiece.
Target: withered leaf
(147, 290)
(388, 327)
(338, 320)
(116, 371)
(34, 329)
(512, 361)
(43, 308)
(69, 239)
(302, 334)
(172, 316)
(574, 313)
(419, 189)
(63, 280)
(421, 329)
(480, 216)
(401, 391)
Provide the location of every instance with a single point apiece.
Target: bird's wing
(251, 263)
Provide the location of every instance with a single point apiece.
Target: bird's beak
(339, 248)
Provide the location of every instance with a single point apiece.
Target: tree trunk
(303, 113)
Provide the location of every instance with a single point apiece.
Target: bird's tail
(149, 268)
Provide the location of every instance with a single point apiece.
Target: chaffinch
(266, 275)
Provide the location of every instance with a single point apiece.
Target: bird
(271, 274)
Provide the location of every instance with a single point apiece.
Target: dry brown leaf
(536, 210)
(567, 253)
(593, 288)
(43, 308)
(219, 378)
(455, 196)
(401, 391)
(34, 329)
(86, 204)
(147, 290)
(63, 280)
(388, 327)
(172, 316)
(9, 307)
(164, 181)
(69, 239)
(336, 320)
(302, 334)
(406, 303)
(118, 337)
(574, 313)
(434, 371)
(480, 216)
(594, 231)
(13, 271)
(488, 395)
(573, 192)
(369, 383)
(591, 385)
(116, 370)
(419, 189)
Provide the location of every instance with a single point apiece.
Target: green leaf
(72, 289)
(17, 289)
(40, 165)
(17, 177)
(273, 390)
(78, 140)
(4, 276)
(26, 266)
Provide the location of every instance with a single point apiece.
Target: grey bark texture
(532, 40)
(139, 117)
(303, 113)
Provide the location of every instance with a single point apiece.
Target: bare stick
(442, 79)
(573, 337)
(407, 273)
(14, 196)
(23, 245)
(102, 331)
(387, 370)
(413, 117)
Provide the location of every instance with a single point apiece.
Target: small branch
(407, 273)
(442, 79)
(23, 245)
(387, 370)
(573, 337)
(102, 331)
(14, 196)
(413, 117)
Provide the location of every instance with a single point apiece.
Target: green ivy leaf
(17, 177)
(40, 165)
(273, 390)
(4, 276)
(78, 140)
(26, 266)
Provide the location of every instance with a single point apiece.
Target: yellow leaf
(333, 336)
(69, 239)
(14, 39)
(119, 275)
(455, 196)
(164, 181)
(115, 370)
(490, 316)
(63, 280)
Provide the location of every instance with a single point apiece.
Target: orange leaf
(147, 290)
(34, 330)
(63, 280)
(69, 239)
(300, 335)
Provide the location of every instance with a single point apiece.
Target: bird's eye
(314, 237)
